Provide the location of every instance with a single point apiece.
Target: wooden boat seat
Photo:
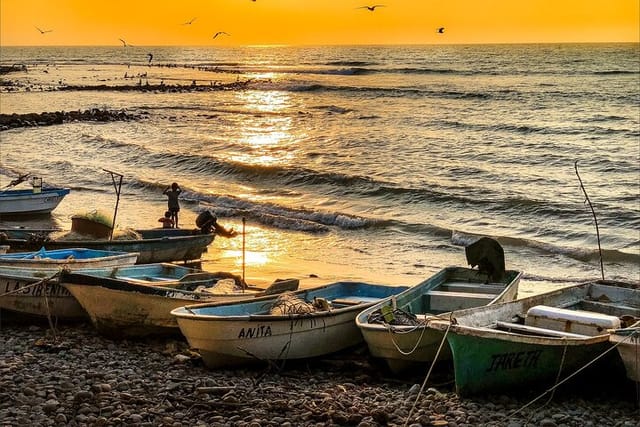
(471, 287)
(193, 277)
(532, 330)
(353, 300)
(444, 301)
(145, 280)
(613, 308)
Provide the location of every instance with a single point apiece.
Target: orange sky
(315, 22)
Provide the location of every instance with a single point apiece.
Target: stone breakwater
(10, 121)
(82, 379)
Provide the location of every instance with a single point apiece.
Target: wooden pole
(593, 212)
(118, 188)
(244, 222)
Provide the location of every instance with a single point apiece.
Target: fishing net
(391, 316)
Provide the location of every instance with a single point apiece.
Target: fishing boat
(538, 341)
(73, 258)
(627, 342)
(303, 324)
(155, 245)
(137, 301)
(396, 330)
(31, 202)
(35, 293)
(29, 280)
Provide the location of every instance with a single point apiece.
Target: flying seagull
(440, 30)
(219, 33)
(189, 22)
(124, 43)
(43, 31)
(371, 8)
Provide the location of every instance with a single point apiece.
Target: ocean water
(374, 163)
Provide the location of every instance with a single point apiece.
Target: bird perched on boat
(371, 8)
(43, 31)
(220, 33)
(488, 255)
(440, 30)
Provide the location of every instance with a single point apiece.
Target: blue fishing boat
(72, 258)
(294, 325)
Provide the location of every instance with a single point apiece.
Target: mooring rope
(558, 384)
(22, 288)
(424, 383)
(424, 324)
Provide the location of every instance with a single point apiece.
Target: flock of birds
(370, 8)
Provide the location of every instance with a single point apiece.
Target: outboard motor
(488, 255)
(206, 222)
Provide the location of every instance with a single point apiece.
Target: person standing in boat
(173, 205)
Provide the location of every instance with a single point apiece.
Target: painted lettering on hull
(255, 332)
(515, 360)
(17, 287)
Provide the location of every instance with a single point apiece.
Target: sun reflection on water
(265, 134)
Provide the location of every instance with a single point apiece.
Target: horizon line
(274, 45)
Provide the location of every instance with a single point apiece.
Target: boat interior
(584, 318)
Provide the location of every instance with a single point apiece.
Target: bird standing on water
(150, 55)
(371, 8)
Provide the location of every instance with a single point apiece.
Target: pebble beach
(71, 376)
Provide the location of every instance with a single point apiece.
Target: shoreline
(81, 378)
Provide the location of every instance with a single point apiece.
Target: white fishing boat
(396, 330)
(38, 200)
(137, 301)
(29, 280)
(28, 202)
(29, 292)
(304, 324)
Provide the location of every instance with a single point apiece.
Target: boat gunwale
(420, 289)
(187, 313)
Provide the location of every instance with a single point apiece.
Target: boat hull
(73, 259)
(403, 347)
(627, 342)
(156, 245)
(132, 303)
(236, 339)
(560, 334)
(28, 202)
(31, 295)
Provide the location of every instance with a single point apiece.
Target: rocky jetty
(77, 378)
(6, 69)
(10, 121)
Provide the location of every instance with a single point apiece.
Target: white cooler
(574, 321)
